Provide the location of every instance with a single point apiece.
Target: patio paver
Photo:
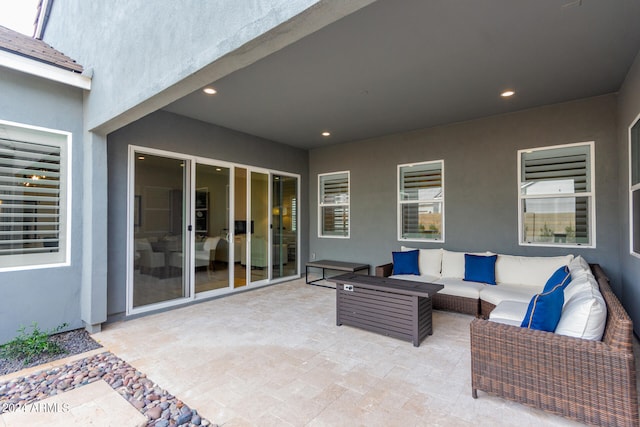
(274, 356)
(95, 404)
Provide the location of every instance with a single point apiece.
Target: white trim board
(46, 71)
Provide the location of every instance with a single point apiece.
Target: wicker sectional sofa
(589, 380)
(518, 279)
(593, 382)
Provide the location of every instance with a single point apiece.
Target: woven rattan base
(485, 309)
(457, 304)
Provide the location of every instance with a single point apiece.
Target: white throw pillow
(429, 260)
(529, 271)
(584, 284)
(584, 314)
(579, 267)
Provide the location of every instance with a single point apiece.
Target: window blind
(414, 180)
(333, 213)
(335, 189)
(634, 135)
(421, 200)
(336, 220)
(556, 185)
(29, 197)
(567, 167)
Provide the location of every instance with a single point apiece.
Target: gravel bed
(72, 342)
(160, 407)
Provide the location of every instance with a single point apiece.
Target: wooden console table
(326, 264)
(392, 307)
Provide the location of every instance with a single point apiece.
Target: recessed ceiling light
(507, 93)
(325, 133)
(218, 169)
(140, 157)
(209, 91)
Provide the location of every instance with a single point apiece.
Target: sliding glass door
(211, 227)
(259, 238)
(240, 227)
(284, 219)
(200, 227)
(158, 230)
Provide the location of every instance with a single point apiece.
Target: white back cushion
(429, 261)
(528, 271)
(584, 313)
(453, 263)
(579, 267)
(585, 284)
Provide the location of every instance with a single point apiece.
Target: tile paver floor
(95, 404)
(274, 357)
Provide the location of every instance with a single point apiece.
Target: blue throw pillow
(544, 310)
(406, 262)
(561, 276)
(480, 268)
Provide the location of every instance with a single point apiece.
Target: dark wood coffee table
(392, 307)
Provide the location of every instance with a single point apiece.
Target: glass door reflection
(285, 226)
(259, 240)
(240, 230)
(159, 225)
(211, 226)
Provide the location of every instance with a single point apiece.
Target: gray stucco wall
(139, 47)
(49, 296)
(148, 54)
(171, 132)
(628, 110)
(481, 192)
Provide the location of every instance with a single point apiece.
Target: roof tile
(14, 42)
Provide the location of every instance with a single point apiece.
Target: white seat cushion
(506, 292)
(429, 260)
(528, 271)
(510, 312)
(460, 288)
(412, 277)
(507, 322)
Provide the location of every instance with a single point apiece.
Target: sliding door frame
(189, 242)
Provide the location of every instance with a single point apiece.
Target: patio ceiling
(396, 66)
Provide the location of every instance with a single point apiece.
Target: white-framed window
(556, 195)
(34, 196)
(634, 187)
(333, 204)
(421, 201)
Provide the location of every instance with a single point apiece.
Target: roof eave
(46, 71)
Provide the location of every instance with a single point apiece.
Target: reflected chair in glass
(207, 256)
(148, 260)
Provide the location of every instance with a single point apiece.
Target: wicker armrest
(384, 270)
(589, 381)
